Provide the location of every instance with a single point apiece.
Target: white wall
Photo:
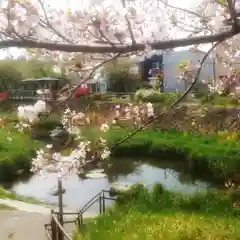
(171, 70)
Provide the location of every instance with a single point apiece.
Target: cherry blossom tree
(87, 37)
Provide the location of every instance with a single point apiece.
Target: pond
(80, 191)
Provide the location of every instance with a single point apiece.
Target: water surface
(79, 191)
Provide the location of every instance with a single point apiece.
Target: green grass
(161, 214)
(218, 157)
(6, 207)
(15, 155)
(14, 196)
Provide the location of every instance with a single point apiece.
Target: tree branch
(166, 44)
(233, 14)
(129, 25)
(48, 24)
(180, 9)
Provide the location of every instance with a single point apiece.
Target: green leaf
(222, 2)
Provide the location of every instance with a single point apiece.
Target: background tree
(122, 79)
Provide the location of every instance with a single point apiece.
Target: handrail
(82, 210)
(47, 232)
(55, 230)
(61, 228)
(92, 201)
(68, 213)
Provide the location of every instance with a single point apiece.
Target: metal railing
(19, 94)
(55, 229)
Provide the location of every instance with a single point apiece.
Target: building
(96, 84)
(168, 64)
(171, 68)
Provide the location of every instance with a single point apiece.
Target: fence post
(60, 235)
(79, 220)
(60, 205)
(103, 202)
(100, 203)
(53, 228)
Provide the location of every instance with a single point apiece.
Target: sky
(14, 52)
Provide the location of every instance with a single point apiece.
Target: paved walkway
(27, 221)
(26, 207)
(18, 225)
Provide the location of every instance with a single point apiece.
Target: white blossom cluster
(135, 113)
(50, 161)
(29, 114)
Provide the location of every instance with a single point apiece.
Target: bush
(200, 89)
(41, 129)
(99, 97)
(154, 96)
(161, 214)
(9, 77)
(159, 199)
(121, 79)
(215, 98)
(15, 155)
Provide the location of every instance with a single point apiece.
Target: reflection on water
(79, 191)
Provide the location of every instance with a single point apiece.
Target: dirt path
(27, 221)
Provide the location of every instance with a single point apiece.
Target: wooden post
(103, 202)
(100, 204)
(53, 228)
(60, 207)
(78, 222)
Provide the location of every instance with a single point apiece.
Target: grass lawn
(219, 157)
(5, 207)
(12, 195)
(15, 154)
(165, 226)
(160, 214)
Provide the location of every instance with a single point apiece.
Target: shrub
(153, 95)
(99, 97)
(41, 129)
(121, 79)
(200, 89)
(15, 155)
(215, 98)
(161, 214)
(9, 77)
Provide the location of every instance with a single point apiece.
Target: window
(155, 65)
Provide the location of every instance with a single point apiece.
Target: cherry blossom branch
(129, 24)
(166, 44)
(48, 24)
(165, 2)
(105, 37)
(233, 14)
(12, 29)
